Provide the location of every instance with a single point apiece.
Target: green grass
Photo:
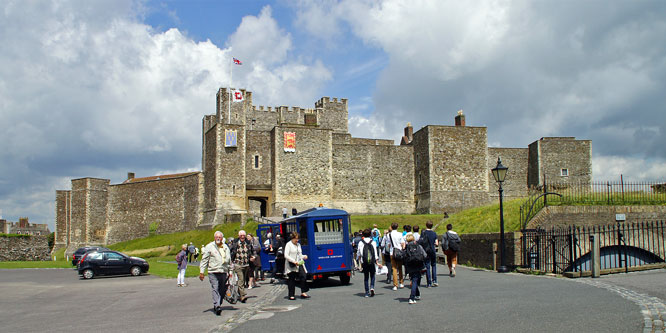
(173, 241)
(360, 222)
(35, 264)
(160, 267)
(486, 218)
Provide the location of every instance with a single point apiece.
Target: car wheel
(135, 270)
(88, 274)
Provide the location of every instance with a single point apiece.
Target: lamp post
(499, 173)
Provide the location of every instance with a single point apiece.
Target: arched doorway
(258, 206)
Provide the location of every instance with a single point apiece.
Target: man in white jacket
(216, 257)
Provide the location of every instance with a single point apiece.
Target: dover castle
(257, 160)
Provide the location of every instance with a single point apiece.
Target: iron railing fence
(622, 245)
(595, 193)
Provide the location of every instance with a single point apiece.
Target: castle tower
(223, 160)
(63, 218)
(89, 199)
(450, 167)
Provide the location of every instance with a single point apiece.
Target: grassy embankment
(160, 250)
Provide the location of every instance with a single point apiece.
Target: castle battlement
(326, 101)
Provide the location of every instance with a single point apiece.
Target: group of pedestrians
(416, 252)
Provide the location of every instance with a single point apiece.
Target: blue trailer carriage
(324, 238)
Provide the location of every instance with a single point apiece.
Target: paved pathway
(647, 289)
(474, 301)
(57, 300)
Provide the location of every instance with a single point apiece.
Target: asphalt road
(56, 300)
(473, 301)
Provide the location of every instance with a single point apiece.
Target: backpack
(425, 242)
(179, 258)
(453, 242)
(368, 256)
(413, 255)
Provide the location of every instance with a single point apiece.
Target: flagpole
(229, 92)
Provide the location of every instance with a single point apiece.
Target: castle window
(564, 172)
(256, 163)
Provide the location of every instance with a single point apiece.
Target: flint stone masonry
(515, 185)
(32, 248)
(477, 249)
(564, 216)
(436, 169)
(556, 153)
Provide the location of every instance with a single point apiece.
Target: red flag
(237, 62)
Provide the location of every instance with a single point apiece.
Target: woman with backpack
(181, 259)
(451, 246)
(414, 259)
(368, 257)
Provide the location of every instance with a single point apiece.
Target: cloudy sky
(101, 88)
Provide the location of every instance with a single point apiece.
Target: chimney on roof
(460, 118)
(409, 135)
(130, 175)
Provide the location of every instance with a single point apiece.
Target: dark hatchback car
(107, 262)
(82, 250)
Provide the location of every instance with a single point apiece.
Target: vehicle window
(113, 256)
(328, 232)
(301, 228)
(94, 256)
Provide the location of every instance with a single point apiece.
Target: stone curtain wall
(302, 179)
(170, 203)
(477, 249)
(564, 216)
(458, 165)
(515, 185)
(373, 179)
(259, 144)
(33, 248)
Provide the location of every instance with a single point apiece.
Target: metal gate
(623, 245)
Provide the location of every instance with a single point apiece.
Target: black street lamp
(499, 172)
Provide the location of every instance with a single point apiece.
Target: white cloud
(90, 90)
(609, 168)
(260, 39)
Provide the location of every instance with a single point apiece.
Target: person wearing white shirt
(397, 242)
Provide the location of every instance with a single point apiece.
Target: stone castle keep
(257, 160)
